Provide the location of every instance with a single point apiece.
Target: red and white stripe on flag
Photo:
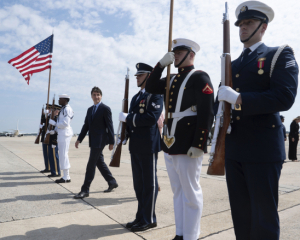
(35, 59)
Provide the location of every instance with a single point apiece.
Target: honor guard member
(44, 146)
(144, 145)
(190, 118)
(283, 127)
(52, 149)
(64, 135)
(265, 81)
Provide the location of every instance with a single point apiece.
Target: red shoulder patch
(207, 89)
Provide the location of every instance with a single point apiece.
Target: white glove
(119, 140)
(167, 59)
(227, 94)
(53, 146)
(122, 116)
(52, 122)
(52, 132)
(46, 111)
(195, 152)
(41, 126)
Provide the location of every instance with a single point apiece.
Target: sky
(96, 40)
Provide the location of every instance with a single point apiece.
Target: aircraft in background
(15, 133)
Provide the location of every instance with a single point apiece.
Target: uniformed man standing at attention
(64, 135)
(190, 119)
(255, 149)
(144, 145)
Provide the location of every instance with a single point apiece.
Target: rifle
(50, 127)
(116, 152)
(37, 140)
(168, 141)
(217, 154)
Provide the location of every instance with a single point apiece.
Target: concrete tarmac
(33, 207)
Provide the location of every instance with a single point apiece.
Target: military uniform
(144, 145)
(255, 147)
(64, 135)
(44, 146)
(191, 100)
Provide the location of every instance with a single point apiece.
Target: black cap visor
(185, 48)
(251, 14)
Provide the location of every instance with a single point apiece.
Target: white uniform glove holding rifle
(167, 59)
(227, 94)
(124, 141)
(122, 116)
(195, 152)
(52, 122)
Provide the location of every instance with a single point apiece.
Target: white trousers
(184, 174)
(63, 144)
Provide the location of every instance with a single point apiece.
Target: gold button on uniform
(184, 87)
(237, 75)
(175, 80)
(178, 75)
(237, 89)
(182, 69)
(199, 145)
(171, 93)
(173, 86)
(201, 138)
(171, 100)
(170, 106)
(188, 123)
(273, 126)
(238, 118)
(202, 131)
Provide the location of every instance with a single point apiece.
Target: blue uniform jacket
(256, 134)
(142, 128)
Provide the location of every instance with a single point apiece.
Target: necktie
(94, 110)
(245, 55)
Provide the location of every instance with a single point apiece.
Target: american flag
(36, 59)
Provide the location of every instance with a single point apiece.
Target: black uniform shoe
(130, 224)
(81, 195)
(54, 175)
(142, 226)
(111, 187)
(178, 237)
(45, 171)
(62, 180)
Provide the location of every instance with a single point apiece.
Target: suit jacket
(256, 134)
(294, 131)
(100, 127)
(142, 128)
(191, 131)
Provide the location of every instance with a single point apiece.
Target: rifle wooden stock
(116, 158)
(217, 166)
(50, 127)
(37, 140)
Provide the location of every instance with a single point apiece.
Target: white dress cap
(64, 96)
(185, 43)
(252, 10)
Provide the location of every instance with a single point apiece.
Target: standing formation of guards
(265, 81)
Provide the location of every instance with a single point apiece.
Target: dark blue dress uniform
(294, 133)
(144, 145)
(50, 152)
(44, 146)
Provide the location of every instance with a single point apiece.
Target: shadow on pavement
(73, 231)
(17, 173)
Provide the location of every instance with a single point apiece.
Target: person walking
(293, 139)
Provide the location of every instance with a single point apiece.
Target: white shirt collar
(97, 105)
(143, 90)
(254, 46)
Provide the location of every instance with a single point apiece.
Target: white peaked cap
(253, 9)
(185, 43)
(64, 96)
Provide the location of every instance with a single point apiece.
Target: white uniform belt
(185, 113)
(64, 127)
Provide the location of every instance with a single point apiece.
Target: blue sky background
(96, 40)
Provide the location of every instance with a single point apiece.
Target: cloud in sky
(95, 40)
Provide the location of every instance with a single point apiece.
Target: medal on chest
(260, 65)
(142, 105)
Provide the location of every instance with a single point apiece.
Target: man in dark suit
(98, 122)
(142, 129)
(255, 147)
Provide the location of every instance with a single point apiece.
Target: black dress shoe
(111, 187)
(178, 237)
(54, 175)
(130, 224)
(142, 226)
(81, 195)
(45, 171)
(62, 180)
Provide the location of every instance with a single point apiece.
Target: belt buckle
(194, 108)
